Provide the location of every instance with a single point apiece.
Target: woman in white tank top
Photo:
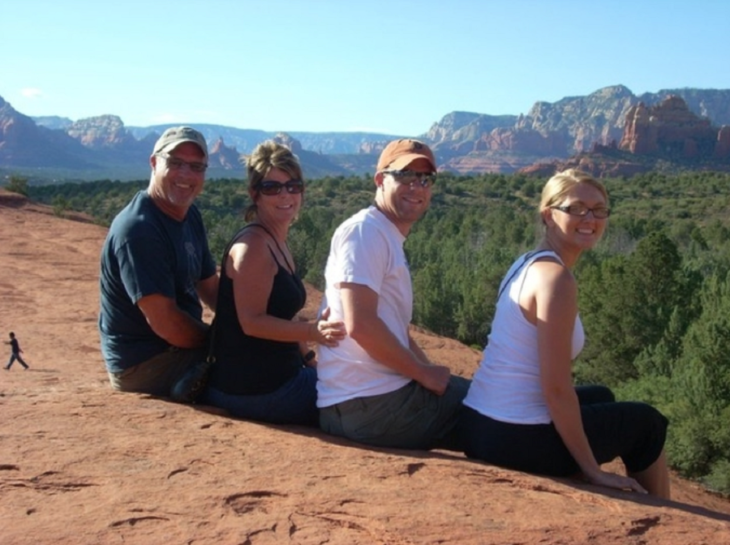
(522, 410)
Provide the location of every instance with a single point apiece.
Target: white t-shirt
(366, 249)
(506, 387)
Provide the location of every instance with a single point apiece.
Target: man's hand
(435, 378)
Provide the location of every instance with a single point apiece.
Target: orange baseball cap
(400, 153)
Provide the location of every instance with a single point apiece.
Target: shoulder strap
(525, 259)
(288, 265)
(213, 328)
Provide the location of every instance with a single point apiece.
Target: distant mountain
(245, 140)
(25, 144)
(663, 136)
(555, 131)
(464, 142)
(53, 121)
(713, 104)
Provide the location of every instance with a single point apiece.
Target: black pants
(633, 431)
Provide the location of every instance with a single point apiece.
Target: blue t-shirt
(147, 252)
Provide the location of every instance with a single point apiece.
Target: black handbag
(189, 387)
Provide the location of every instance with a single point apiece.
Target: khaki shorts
(157, 375)
(411, 417)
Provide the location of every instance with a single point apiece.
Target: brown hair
(265, 156)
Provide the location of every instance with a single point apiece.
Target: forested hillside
(654, 295)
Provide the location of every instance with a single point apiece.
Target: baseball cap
(400, 153)
(174, 136)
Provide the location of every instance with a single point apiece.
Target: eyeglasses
(271, 187)
(173, 163)
(581, 210)
(410, 177)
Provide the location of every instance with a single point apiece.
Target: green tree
(18, 184)
(627, 305)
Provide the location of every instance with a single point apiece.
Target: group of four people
(370, 381)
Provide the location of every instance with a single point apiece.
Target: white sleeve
(361, 256)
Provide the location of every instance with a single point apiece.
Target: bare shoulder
(548, 280)
(250, 249)
(549, 271)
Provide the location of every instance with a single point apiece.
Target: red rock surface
(80, 464)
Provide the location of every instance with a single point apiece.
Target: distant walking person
(15, 352)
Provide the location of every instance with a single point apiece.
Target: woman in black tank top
(264, 369)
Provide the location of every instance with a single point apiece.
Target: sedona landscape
(609, 132)
(82, 464)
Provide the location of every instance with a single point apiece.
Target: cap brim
(171, 146)
(404, 160)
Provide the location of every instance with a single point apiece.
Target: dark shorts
(293, 403)
(411, 417)
(635, 432)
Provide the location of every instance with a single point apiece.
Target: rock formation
(104, 131)
(597, 117)
(23, 143)
(224, 156)
(288, 141)
(722, 148)
(668, 128)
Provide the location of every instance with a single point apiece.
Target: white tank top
(506, 386)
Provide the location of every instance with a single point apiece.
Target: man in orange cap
(378, 387)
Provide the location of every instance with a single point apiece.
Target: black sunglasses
(271, 187)
(410, 177)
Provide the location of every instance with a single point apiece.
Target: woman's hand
(326, 332)
(612, 480)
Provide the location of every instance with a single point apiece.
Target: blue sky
(391, 66)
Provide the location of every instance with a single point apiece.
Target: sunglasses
(270, 187)
(173, 163)
(409, 177)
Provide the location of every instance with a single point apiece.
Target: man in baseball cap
(377, 386)
(174, 136)
(156, 268)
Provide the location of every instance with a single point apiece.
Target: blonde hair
(265, 156)
(561, 183)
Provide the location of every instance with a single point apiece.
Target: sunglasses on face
(410, 177)
(581, 210)
(271, 187)
(173, 163)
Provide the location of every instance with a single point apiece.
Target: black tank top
(247, 365)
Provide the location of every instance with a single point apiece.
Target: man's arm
(360, 308)
(418, 351)
(208, 291)
(172, 324)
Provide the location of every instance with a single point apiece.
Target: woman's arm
(556, 308)
(252, 268)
